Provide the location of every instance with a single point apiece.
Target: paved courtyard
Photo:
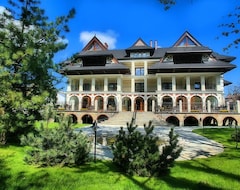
(194, 145)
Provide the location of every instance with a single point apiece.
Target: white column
(105, 101)
(132, 68)
(209, 106)
(96, 104)
(119, 84)
(145, 105)
(188, 84)
(81, 84)
(119, 103)
(203, 87)
(159, 83)
(238, 106)
(132, 85)
(189, 104)
(153, 105)
(93, 85)
(180, 106)
(69, 85)
(105, 84)
(228, 106)
(173, 83)
(132, 104)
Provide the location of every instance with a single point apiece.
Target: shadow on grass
(3, 175)
(184, 183)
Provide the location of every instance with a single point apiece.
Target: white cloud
(109, 37)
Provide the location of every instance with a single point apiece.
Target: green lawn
(218, 172)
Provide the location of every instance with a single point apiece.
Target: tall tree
(28, 42)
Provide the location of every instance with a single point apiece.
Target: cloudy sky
(120, 23)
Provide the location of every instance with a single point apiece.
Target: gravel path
(194, 145)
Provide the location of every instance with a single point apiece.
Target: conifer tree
(28, 42)
(57, 146)
(137, 153)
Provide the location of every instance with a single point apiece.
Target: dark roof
(108, 69)
(218, 66)
(139, 45)
(189, 49)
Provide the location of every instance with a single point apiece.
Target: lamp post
(95, 139)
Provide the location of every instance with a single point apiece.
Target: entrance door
(139, 104)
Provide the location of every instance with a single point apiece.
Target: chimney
(155, 44)
(151, 43)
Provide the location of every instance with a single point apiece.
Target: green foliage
(57, 146)
(138, 154)
(28, 42)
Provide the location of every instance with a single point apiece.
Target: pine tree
(137, 153)
(28, 42)
(57, 146)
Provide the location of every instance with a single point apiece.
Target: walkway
(194, 145)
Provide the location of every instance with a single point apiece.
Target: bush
(56, 146)
(138, 154)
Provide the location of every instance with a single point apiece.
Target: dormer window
(140, 54)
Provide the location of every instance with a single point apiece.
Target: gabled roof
(95, 45)
(186, 40)
(139, 45)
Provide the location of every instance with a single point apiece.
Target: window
(139, 87)
(86, 87)
(112, 86)
(139, 71)
(197, 86)
(167, 86)
(140, 54)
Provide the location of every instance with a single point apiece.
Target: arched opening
(139, 104)
(213, 102)
(74, 118)
(126, 104)
(111, 103)
(210, 121)
(102, 118)
(184, 103)
(152, 104)
(86, 102)
(190, 121)
(229, 121)
(196, 104)
(87, 119)
(99, 102)
(74, 102)
(167, 103)
(172, 120)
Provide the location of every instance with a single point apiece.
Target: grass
(56, 124)
(217, 173)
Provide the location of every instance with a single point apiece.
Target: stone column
(203, 86)
(132, 85)
(93, 85)
(69, 85)
(180, 106)
(238, 106)
(105, 84)
(188, 84)
(81, 84)
(119, 84)
(173, 83)
(153, 105)
(159, 83)
(209, 106)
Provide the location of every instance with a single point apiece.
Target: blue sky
(121, 22)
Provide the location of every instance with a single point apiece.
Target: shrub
(138, 154)
(57, 146)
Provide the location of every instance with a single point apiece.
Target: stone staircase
(142, 118)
